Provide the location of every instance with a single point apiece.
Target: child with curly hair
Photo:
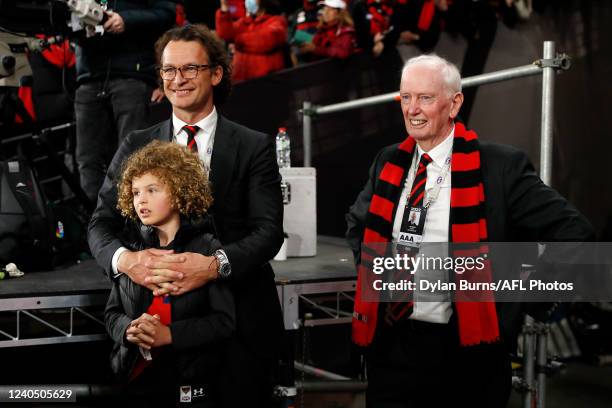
(168, 349)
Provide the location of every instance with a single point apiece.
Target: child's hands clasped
(148, 332)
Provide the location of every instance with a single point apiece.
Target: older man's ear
(457, 101)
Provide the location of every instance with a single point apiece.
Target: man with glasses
(247, 212)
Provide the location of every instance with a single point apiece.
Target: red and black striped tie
(397, 310)
(191, 134)
(417, 192)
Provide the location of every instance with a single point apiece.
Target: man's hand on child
(134, 265)
(148, 332)
(180, 273)
(164, 273)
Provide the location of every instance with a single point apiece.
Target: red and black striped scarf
(477, 321)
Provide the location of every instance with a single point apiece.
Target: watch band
(225, 268)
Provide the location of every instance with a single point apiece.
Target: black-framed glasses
(187, 71)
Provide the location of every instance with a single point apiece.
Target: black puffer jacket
(131, 53)
(201, 320)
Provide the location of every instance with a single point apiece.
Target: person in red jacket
(335, 37)
(260, 38)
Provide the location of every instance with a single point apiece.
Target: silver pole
(541, 364)
(497, 76)
(546, 156)
(358, 103)
(512, 73)
(548, 102)
(503, 75)
(528, 360)
(307, 133)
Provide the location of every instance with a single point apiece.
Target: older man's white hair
(448, 70)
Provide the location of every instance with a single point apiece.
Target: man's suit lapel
(164, 131)
(223, 158)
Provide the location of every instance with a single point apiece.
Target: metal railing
(45, 311)
(545, 67)
(535, 334)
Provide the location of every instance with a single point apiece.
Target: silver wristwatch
(225, 269)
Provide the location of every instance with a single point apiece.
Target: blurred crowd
(116, 76)
(268, 35)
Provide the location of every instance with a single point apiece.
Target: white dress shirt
(205, 139)
(436, 224)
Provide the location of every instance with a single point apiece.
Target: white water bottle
(283, 148)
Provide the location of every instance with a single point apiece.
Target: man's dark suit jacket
(519, 208)
(248, 216)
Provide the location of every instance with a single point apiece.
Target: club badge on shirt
(185, 393)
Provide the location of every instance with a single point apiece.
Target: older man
(247, 213)
(441, 353)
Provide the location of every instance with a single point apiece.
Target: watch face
(224, 270)
(224, 265)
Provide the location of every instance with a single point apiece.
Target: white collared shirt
(204, 138)
(436, 221)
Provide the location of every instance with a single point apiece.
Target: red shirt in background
(260, 43)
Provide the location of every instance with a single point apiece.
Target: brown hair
(217, 56)
(344, 19)
(180, 170)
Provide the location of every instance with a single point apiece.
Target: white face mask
(251, 6)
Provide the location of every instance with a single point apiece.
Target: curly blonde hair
(180, 170)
